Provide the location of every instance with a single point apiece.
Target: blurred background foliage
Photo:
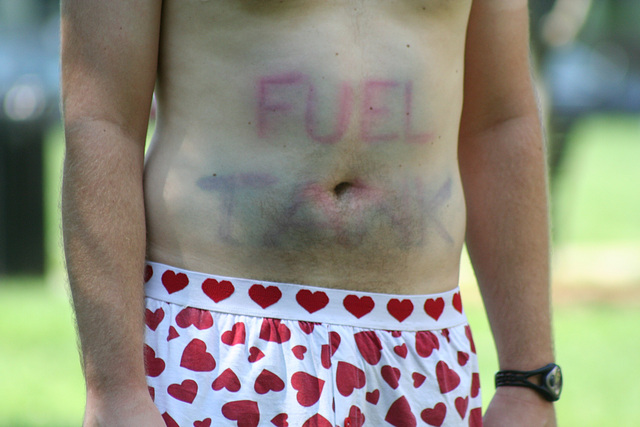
(587, 65)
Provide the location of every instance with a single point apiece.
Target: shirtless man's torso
(310, 142)
(321, 143)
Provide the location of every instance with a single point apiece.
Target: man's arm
(502, 161)
(109, 59)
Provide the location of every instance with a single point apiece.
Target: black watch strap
(550, 385)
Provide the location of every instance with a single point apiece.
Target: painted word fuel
(384, 114)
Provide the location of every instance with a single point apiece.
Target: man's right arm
(109, 61)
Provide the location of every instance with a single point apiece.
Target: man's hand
(122, 410)
(519, 407)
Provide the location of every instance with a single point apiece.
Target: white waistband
(304, 303)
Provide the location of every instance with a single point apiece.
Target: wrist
(101, 384)
(114, 369)
(522, 395)
(118, 396)
(545, 381)
(124, 407)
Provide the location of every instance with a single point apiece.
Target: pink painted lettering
(267, 106)
(376, 115)
(409, 134)
(293, 104)
(343, 115)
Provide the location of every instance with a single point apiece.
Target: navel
(341, 188)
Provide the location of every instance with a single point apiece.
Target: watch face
(553, 380)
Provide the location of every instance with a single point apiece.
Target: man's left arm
(502, 163)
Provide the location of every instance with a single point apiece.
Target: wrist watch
(548, 383)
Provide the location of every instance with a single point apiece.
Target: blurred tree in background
(29, 40)
(588, 57)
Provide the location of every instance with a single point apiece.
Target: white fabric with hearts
(224, 351)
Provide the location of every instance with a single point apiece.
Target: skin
(302, 142)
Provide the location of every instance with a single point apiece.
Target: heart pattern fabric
(305, 303)
(231, 368)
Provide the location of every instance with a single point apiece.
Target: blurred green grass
(596, 202)
(596, 197)
(41, 381)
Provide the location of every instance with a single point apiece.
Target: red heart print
(400, 414)
(349, 377)
(312, 301)
(153, 318)
(196, 358)
(325, 356)
(309, 388)
(201, 319)
(280, 420)
(268, 381)
(170, 422)
(369, 345)
(334, 340)
(154, 366)
(461, 406)
(185, 392)
(457, 302)
(447, 378)
(236, 335)
(173, 333)
(328, 350)
(426, 342)
(475, 417)
(446, 334)
(299, 351)
(274, 331)
(152, 392)
(434, 308)
(359, 307)
(317, 421)
(434, 416)
(372, 396)
(356, 417)
(204, 423)
(217, 291)
(401, 350)
(463, 358)
(148, 273)
(255, 354)
(265, 297)
(418, 379)
(396, 334)
(400, 309)
(174, 282)
(227, 379)
(475, 385)
(245, 412)
(391, 375)
(467, 332)
(306, 327)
